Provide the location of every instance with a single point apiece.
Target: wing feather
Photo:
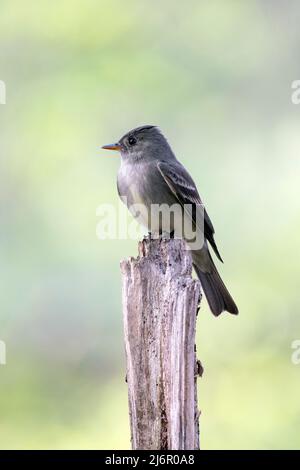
(184, 188)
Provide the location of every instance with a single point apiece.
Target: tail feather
(215, 291)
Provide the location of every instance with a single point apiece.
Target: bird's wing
(184, 189)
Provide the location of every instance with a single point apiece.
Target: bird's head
(142, 143)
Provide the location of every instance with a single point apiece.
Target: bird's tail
(215, 291)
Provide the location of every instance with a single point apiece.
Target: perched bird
(150, 174)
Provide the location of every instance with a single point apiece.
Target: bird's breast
(146, 195)
(133, 192)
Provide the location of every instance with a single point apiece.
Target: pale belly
(152, 204)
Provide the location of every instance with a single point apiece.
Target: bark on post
(160, 302)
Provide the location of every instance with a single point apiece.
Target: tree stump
(160, 305)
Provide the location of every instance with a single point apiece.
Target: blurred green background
(216, 77)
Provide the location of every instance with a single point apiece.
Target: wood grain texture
(160, 302)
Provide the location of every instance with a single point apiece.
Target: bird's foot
(166, 235)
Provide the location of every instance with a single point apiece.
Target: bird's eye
(132, 140)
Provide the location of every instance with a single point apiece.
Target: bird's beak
(116, 147)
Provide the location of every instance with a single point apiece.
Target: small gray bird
(150, 175)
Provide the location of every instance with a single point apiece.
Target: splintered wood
(160, 303)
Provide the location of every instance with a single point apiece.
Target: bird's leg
(161, 235)
(166, 235)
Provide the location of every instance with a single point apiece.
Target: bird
(150, 174)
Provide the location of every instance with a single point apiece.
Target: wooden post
(160, 303)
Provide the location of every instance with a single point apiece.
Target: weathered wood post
(160, 302)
